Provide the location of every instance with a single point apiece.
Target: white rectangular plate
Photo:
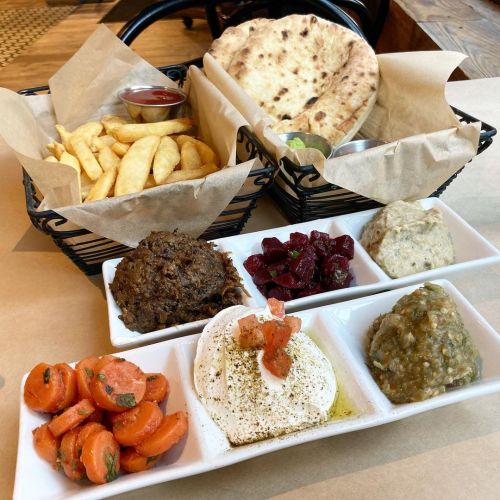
(472, 251)
(339, 330)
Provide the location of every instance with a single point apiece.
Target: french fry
(100, 142)
(150, 183)
(166, 158)
(87, 131)
(65, 138)
(52, 159)
(135, 165)
(111, 122)
(108, 160)
(70, 160)
(207, 154)
(56, 148)
(86, 158)
(196, 173)
(190, 159)
(133, 131)
(85, 185)
(120, 148)
(103, 186)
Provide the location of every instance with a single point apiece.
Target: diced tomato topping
(276, 335)
(250, 335)
(294, 323)
(277, 307)
(278, 362)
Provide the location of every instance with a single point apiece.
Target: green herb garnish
(101, 376)
(108, 389)
(89, 372)
(46, 376)
(126, 400)
(273, 274)
(294, 254)
(111, 461)
(151, 459)
(151, 378)
(83, 411)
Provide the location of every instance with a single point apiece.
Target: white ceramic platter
(472, 251)
(339, 330)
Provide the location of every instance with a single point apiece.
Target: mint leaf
(111, 461)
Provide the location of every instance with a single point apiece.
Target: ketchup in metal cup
(153, 97)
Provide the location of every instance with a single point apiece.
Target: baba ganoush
(403, 238)
(247, 401)
(421, 347)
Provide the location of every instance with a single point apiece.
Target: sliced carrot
(70, 388)
(84, 374)
(46, 444)
(101, 457)
(69, 455)
(70, 418)
(118, 385)
(133, 426)
(157, 387)
(131, 461)
(44, 388)
(97, 416)
(171, 430)
(277, 307)
(85, 431)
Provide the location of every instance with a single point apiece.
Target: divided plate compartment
(121, 336)
(338, 329)
(471, 249)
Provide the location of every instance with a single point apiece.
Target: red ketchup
(153, 97)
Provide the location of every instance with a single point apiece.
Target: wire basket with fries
(99, 157)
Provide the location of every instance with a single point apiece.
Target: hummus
(421, 348)
(247, 401)
(403, 238)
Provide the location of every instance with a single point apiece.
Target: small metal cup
(310, 140)
(152, 112)
(356, 147)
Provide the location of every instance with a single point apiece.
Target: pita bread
(307, 73)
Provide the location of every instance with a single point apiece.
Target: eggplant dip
(421, 348)
(172, 278)
(403, 238)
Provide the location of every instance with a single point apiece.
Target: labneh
(247, 401)
(403, 238)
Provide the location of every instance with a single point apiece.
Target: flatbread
(308, 74)
(233, 39)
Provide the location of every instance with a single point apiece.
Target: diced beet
(254, 263)
(335, 272)
(322, 248)
(317, 288)
(299, 240)
(303, 267)
(280, 293)
(344, 245)
(273, 250)
(318, 235)
(288, 280)
(279, 267)
(262, 277)
(342, 281)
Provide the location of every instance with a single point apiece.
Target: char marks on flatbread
(308, 74)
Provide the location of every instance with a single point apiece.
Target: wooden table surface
(50, 311)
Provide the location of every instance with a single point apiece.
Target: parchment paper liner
(85, 88)
(426, 142)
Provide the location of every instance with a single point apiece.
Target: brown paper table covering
(50, 311)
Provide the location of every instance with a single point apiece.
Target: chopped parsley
(294, 254)
(111, 461)
(83, 411)
(89, 372)
(101, 376)
(151, 459)
(127, 400)
(108, 389)
(46, 375)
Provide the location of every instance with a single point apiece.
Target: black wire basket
(88, 251)
(300, 203)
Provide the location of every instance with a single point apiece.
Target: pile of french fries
(114, 157)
